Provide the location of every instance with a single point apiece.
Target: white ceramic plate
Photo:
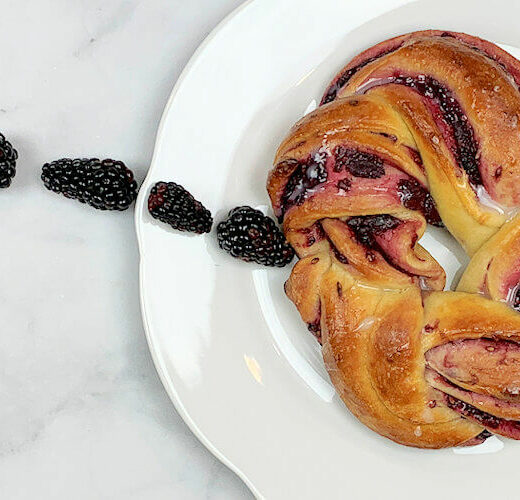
(237, 361)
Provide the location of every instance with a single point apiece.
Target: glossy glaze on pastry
(422, 128)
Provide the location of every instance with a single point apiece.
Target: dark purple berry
(102, 184)
(8, 157)
(344, 184)
(366, 227)
(249, 235)
(172, 204)
(332, 92)
(414, 196)
(466, 149)
(307, 174)
(359, 163)
(469, 411)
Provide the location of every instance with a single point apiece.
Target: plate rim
(157, 353)
(141, 197)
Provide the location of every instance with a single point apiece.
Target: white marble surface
(82, 412)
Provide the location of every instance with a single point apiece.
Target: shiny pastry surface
(420, 129)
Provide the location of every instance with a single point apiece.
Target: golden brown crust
(487, 94)
(490, 269)
(370, 351)
(351, 182)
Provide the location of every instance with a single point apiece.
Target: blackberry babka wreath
(422, 128)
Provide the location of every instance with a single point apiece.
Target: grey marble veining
(83, 414)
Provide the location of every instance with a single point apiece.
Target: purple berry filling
(332, 91)
(366, 227)
(466, 147)
(415, 197)
(344, 184)
(307, 175)
(515, 304)
(358, 163)
(315, 326)
(468, 411)
(416, 157)
(484, 435)
(339, 256)
(479, 439)
(343, 79)
(508, 428)
(315, 329)
(312, 172)
(391, 137)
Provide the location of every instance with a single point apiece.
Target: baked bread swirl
(422, 128)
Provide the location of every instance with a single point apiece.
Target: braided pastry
(419, 129)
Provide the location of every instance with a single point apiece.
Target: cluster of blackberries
(246, 234)
(103, 184)
(109, 185)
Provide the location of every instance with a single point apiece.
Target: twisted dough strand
(419, 128)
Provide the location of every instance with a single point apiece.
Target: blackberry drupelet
(8, 157)
(172, 204)
(253, 237)
(103, 184)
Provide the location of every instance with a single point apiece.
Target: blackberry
(253, 237)
(172, 204)
(103, 184)
(415, 197)
(8, 157)
(366, 227)
(359, 163)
